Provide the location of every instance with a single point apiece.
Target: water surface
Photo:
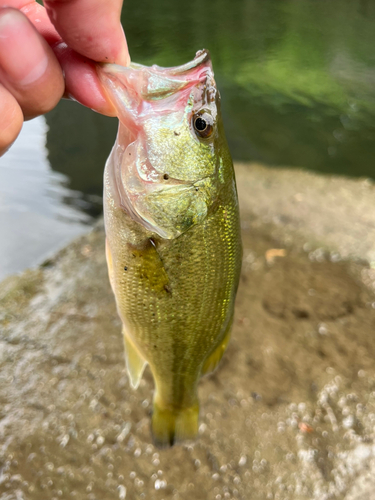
(35, 221)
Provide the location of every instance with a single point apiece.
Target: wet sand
(290, 412)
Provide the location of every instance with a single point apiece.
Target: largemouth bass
(173, 232)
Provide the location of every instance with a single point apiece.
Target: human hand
(47, 53)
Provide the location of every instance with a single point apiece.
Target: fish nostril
(166, 177)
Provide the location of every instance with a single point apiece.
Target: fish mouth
(165, 89)
(152, 83)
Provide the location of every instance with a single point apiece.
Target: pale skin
(49, 52)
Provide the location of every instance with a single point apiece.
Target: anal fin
(214, 358)
(108, 255)
(134, 362)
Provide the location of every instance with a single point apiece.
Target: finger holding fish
(37, 51)
(28, 68)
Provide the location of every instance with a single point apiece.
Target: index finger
(91, 27)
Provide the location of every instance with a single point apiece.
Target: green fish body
(173, 232)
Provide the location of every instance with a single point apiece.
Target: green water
(297, 80)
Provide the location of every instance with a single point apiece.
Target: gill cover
(164, 166)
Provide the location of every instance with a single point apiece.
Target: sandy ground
(289, 414)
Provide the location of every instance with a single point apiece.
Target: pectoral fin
(134, 362)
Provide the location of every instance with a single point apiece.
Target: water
(297, 80)
(34, 220)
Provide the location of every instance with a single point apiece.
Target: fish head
(165, 166)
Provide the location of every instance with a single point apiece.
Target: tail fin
(170, 426)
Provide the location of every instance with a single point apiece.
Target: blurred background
(297, 79)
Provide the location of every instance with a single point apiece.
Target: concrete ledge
(332, 212)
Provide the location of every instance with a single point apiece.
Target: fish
(173, 242)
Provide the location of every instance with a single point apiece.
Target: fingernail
(124, 56)
(22, 55)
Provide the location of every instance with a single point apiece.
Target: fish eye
(203, 124)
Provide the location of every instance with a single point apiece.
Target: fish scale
(174, 268)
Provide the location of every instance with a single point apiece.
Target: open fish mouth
(156, 82)
(128, 86)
